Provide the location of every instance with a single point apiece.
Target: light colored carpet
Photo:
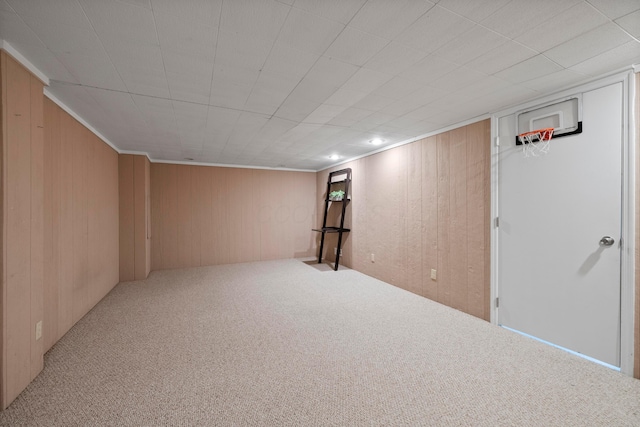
(281, 343)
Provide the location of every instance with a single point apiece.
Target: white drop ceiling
(285, 84)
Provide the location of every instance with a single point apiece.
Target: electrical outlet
(373, 258)
(335, 251)
(38, 330)
(433, 274)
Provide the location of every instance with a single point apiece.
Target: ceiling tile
(475, 10)
(330, 72)
(140, 3)
(309, 33)
(94, 72)
(555, 81)
(76, 98)
(345, 97)
(45, 60)
(144, 81)
(518, 16)
(336, 10)
(386, 18)
(366, 80)
(479, 88)
(15, 31)
(59, 12)
(458, 79)
(187, 89)
(194, 37)
(415, 100)
(261, 19)
(470, 45)
(397, 87)
(119, 108)
(324, 114)
(314, 91)
(236, 50)
(121, 21)
(355, 47)
(192, 12)
(434, 29)
(4, 7)
(231, 87)
(296, 108)
(289, 63)
(562, 27)
(156, 112)
(501, 58)
(374, 102)
(67, 39)
(428, 69)
(588, 45)
(147, 56)
(616, 8)
(220, 124)
(627, 54)
(269, 92)
(530, 69)
(394, 58)
(180, 63)
(631, 23)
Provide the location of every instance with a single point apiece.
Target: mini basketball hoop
(535, 142)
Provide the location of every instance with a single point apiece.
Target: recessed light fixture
(334, 157)
(376, 141)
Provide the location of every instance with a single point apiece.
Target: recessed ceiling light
(376, 141)
(334, 157)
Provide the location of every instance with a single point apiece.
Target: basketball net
(536, 142)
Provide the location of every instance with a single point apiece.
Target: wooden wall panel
(222, 234)
(423, 206)
(51, 222)
(636, 369)
(429, 216)
(184, 215)
(198, 215)
(444, 199)
(458, 232)
(37, 223)
(127, 217)
(414, 219)
(81, 237)
(25, 236)
(211, 215)
(17, 222)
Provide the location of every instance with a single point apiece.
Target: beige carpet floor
(282, 343)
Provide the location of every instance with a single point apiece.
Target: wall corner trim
(6, 46)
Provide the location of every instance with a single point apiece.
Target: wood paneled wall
(135, 190)
(636, 368)
(81, 221)
(202, 215)
(423, 206)
(21, 299)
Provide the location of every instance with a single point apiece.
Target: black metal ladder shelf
(333, 182)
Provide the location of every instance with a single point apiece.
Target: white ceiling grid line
(288, 82)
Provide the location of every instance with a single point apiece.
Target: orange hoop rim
(544, 134)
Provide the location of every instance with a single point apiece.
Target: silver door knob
(607, 241)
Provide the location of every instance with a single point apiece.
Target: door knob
(607, 241)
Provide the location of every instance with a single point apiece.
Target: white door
(555, 280)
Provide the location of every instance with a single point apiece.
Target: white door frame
(627, 267)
